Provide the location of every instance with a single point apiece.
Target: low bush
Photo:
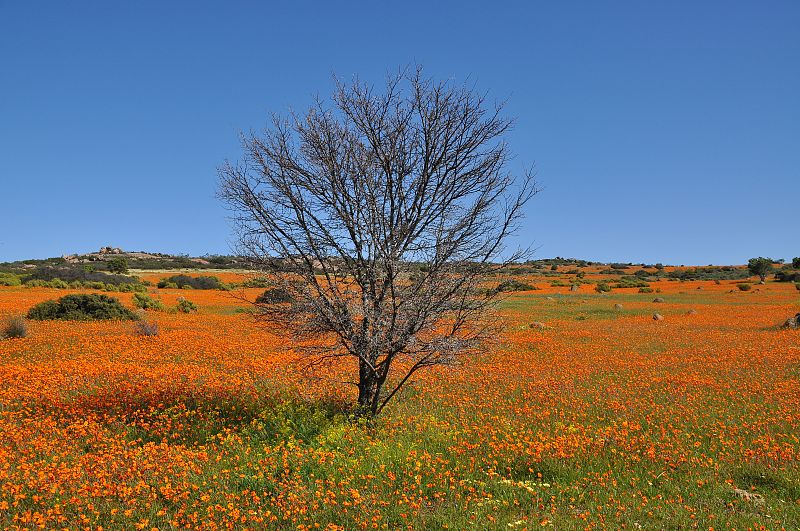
(631, 282)
(797, 285)
(513, 285)
(744, 286)
(185, 306)
(274, 296)
(186, 281)
(15, 327)
(146, 302)
(602, 287)
(9, 279)
(646, 290)
(82, 307)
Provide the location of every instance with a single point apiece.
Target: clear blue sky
(664, 131)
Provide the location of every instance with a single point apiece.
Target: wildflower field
(600, 418)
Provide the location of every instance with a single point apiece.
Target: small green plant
(797, 285)
(146, 302)
(645, 290)
(15, 327)
(602, 287)
(744, 286)
(82, 307)
(185, 306)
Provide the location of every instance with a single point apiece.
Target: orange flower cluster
(602, 417)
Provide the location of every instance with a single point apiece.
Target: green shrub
(15, 327)
(118, 265)
(602, 287)
(274, 296)
(744, 286)
(631, 282)
(187, 282)
(9, 279)
(185, 306)
(797, 285)
(645, 290)
(146, 302)
(82, 307)
(513, 285)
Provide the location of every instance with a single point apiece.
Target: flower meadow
(602, 418)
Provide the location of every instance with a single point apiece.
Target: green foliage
(744, 286)
(513, 285)
(185, 306)
(274, 296)
(602, 287)
(797, 285)
(760, 267)
(631, 282)
(645, 290)
(15, 327)
(9, 279)
(82, 307)
(57, 283)
(796, 262)
(189, 282)
(146, 302)
(118, 265)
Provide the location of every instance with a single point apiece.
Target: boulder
(658, 299)
(691, 312)
(536, 325)
(617, 306)
(658, 317)
(574, 287)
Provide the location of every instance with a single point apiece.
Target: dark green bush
(186, 281)
(118, 265)
(514, 285)
(645, 290)
(274, 296)
(744, 286)
(82, 307)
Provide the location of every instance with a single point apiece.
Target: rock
(699, 287)
(618, 306)
(658, 299)
(536, 325)
(754, 498)
(550, 298)
(691, 312)
(792, 323)
(658, 317)
(574, 287)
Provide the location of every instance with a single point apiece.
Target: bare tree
(381, 214)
